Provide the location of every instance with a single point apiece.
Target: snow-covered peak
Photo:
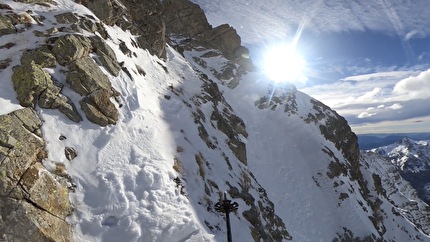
(407, 154)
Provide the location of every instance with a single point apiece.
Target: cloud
(414, 34)
(257, 20)
(365, 115)
(413, 125)
(378, 97)
(371, 95)
(414, 86)
(395, 106)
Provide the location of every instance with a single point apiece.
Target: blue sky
(367, 59)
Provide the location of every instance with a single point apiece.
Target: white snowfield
(125, 176)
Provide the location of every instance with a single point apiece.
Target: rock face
(225, 38)
(33, 203)
(145, 20)
(188, 28)
(184, 18)
(71, 47)
(99, 109)
(34, 85)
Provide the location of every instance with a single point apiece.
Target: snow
(125, 175)
(125, 171)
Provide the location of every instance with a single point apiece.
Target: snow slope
(152, 177)
(412, 159)
(290, 158)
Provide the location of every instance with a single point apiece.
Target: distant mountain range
(412, 157)
(370, 141)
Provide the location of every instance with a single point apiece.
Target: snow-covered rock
(195, 124)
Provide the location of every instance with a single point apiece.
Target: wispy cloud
(257, 20)
(370, 99)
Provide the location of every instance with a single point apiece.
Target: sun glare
(283, 64)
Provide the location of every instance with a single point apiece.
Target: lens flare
(283, 63)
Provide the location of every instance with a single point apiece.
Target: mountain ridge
(155, 147)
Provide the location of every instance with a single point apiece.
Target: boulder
(68, 48)
(106, 55)
(40, 56)
(29, 81)
(99, 109)
(85, 77)
(67, 18)
(6, 26)
(69, 109)
(34, 85)
(33, 203)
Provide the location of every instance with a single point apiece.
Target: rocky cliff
(101, 68)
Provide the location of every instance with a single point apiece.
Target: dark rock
(41, 56)
(70, 153)
(99, 109)
(109, 12)
(5, 6)
(69, 109)
(184, 18)
(144, 20)
(67, 18)
(7, 45)
(225, 38)
(106, 55)
(6, 26)
(71, 47)
(85, 77)
(148, 24)
(46, 33)
(5, 63)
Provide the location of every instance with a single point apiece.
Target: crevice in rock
(29, 201)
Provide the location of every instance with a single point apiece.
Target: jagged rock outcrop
(189, 29)
(34, 85)
(185, 18)
(30, 81)
(142, 18)
(33, 203)
(225, 38)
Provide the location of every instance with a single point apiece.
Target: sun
(282, 63)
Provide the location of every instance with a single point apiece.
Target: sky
(368, 60)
